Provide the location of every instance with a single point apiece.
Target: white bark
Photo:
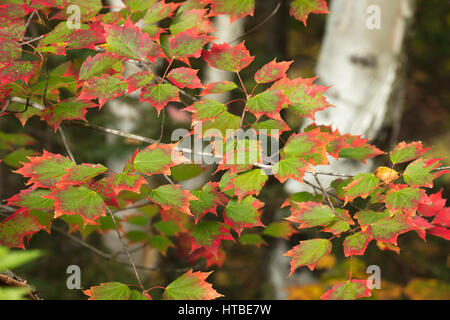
(361, 59)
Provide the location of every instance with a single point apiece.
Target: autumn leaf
(361, 186)
(188, 44)
(72, 200)
(188, 19)
(103, 88)
(209, 234)
(235, 9)
(109, 291)
(207, 201)
(218, 87)
(267, 103)
(68, 109)
(431, 204)
(404, 152)
(32, 199)
(402, 197)
(247, 183)
(272, 71)
(81, 173)
(356, 244)
(311, 214)
(172, 196)
(159, 95)
(301, 9)
(14, 228)
(46, 170)
(349, 290)
(308, 253)
(159, 11)
(386, 175)
(420, 173)
(206, 109)
(128, 41)
(228, 58)
(280, 229)
(291, 168)
(388, 229)
(185, 78)
(243, 214)
(130, 182)
(157, 159)
(100, 64)
(138, 80)
(191, 286)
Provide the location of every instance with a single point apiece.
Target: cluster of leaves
(84, 195)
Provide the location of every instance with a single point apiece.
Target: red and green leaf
(361, 186)
(420, 172)
(185, 78)
(172, 196)
(243, 214)
(235, 9)
(191, 286)
(209, 235)
(308, 253)
(272, 71)
(356, 244)
(72, 200)
(301, 9)
(311, 214)
(349, 290)
(157, 159)
(14, 228)
(46, 170)
(159, 95)
(404, 152)
(228, 58)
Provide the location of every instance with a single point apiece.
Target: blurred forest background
(244, 274)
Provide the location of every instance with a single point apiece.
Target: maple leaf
(419, 172)
(99, 64)
(272, 71)
(172, 196)
(109, 291)
(206, 109)
(367, 217)
(243, 184)
(280, 229)
(388, 229)
(291, 168)
(65, 110)
(188, 19)
(188, 44)
(349, 290)
(207, 201)
(361, 186)
(267, 103)
(357, 148)
(191, 286)
(128, 41)
(10, 50)
(310, 146)
(17, 70)
(311, 214)
(160, 243)
(301, 9)
(252, 239)
(159, 95)
(80, 174)
(218, 87)
(357, 243)
(388, 246)
(17, 226)
(235, 9)
(431, 204)
(129, 182)
(185, 78)
(32, 199)
(103, 88)
(442, 218)
(402, 197)
(157, 159)
(72, 200)
(209, 234)
(303, 97)
(404, 152)
(159, 11)
(228, 58)
(138, 80)
(438, 231)
(46, 170)
(243, 214)
(308, 253)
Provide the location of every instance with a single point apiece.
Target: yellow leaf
(386, 175)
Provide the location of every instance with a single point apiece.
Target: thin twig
(259, 25)
(66, 144)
